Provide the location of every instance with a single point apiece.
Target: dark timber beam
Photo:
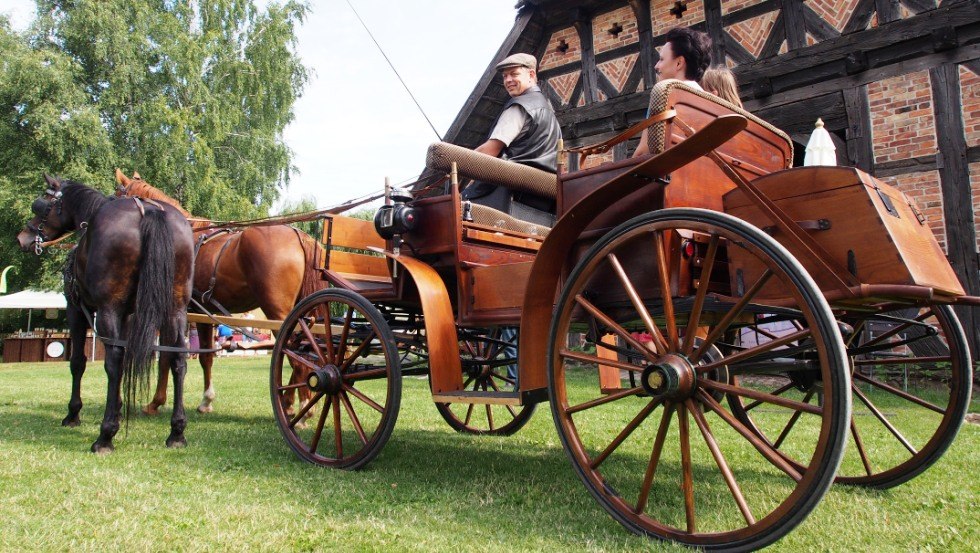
(590, 78)
(644, 28)
(954, 177)
(713, 20)
(795, 23)
(859, 140)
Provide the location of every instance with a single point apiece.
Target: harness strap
(206, 296)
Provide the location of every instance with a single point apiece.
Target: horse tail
(154, 303)
(315, 254)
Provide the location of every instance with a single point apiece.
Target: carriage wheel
(351, 371)
(911, 379)
(660, 453)
(485, 358)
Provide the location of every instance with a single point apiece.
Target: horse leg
(113, 400)
(77, 326)
(205, 333)
(178, 366)
(160, 396)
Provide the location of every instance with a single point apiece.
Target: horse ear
(52, 181)
(121, 178)
(136, 176)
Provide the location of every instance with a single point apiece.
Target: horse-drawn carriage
(648, 301)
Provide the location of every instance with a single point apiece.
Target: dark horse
(267, 266)
(133, 267)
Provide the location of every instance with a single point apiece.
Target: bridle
(54, 202)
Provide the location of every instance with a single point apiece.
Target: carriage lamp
(396, 216)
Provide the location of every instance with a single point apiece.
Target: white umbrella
(820, 150)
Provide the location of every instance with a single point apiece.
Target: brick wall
(603, 40)
(553, 57)
(901, 114)
(663, 20)
(970, 92)
(618, 71)
(835, 12)
(564, 85)
(752, 33)
(975, 192)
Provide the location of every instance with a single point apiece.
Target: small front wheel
(345, 357)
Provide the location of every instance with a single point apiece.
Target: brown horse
(133, 268)
(271, 267)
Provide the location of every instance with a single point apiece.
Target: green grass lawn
(237, 486)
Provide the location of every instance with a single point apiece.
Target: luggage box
(868, 229)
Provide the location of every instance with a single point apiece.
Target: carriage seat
(480, 166)
(660, 100)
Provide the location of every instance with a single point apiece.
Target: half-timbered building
(897, 82)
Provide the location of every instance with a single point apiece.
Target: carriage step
(480, 397)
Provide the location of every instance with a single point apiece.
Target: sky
(356, 124)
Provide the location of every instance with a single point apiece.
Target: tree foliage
(194, 95)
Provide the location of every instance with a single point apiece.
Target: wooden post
(641, 11)
(954, 176)
(859, 139)
(590, 77)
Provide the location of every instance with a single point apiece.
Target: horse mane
(85, 200)
(141, 188)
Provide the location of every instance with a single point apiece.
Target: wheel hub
(325, 379)
(672, 376)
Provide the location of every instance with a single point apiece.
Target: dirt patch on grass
(973, 418)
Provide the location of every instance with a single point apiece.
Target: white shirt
(510, 124)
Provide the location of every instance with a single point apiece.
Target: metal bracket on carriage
(817, 224)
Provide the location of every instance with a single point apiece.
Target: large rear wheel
(641, 416)
(351, 370)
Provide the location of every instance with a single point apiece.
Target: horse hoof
(202, 408)
(102, 449)
(151, 410)
(177, 443)
(70, 422)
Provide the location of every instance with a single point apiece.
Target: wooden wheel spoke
(305, 409)
(499, 376)
(345, 332)
(900, 393)
(722, 326)
(468, 382)
(762, 396)
(336, 427)
(695, 316)
(614, 326)
(883, 419)
(353, 418)
(490, 417)
(687, 479)
(596, 360)
(726, 472)
(637, 301)
(469, 414)
(763, 448)
(663, 273)
(319, 427)
(753, 351)
(658, 446)
(625, 433)
(615, 396)
(313, 343)
(360, 395)
(360, 348)
(302, 360)
(291, 387)
(856, 333)
(323, 311)
(493, 384)
(792, 422)
(371, 374)
(860, 447)
(779, 391)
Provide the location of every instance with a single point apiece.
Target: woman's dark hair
(694, 47)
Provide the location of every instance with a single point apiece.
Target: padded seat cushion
(658, 102)
(480, 166)
(488, 216)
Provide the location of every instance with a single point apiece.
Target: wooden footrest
(479, 397)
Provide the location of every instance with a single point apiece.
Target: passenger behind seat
(526, 132)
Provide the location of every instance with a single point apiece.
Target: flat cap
(518, 60)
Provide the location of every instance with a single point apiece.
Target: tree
(194, 95)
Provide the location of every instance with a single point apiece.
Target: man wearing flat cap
(526, 132)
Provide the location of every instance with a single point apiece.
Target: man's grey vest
(536, 146)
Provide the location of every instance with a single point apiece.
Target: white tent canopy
(32, 299)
